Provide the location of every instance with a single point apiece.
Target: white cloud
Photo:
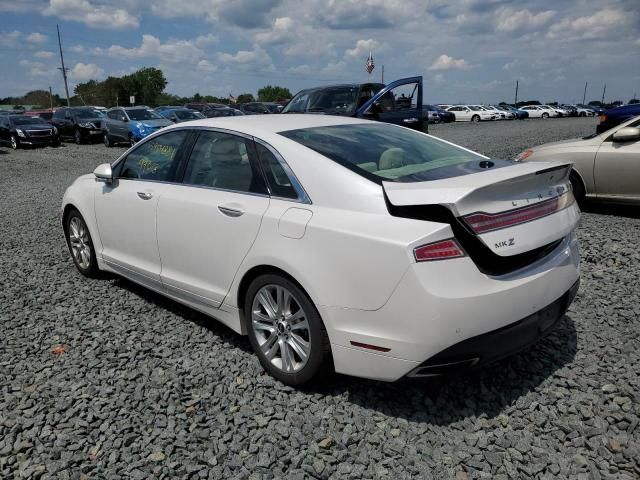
(445, 62)
(206, 66)
(281, 31)
(82, 72)
(94, 15)
(206, 40)
(151, 47)
(602, 24)
(44, 54)
(255, 59)
(362, 49)
(37, 69)
(510, 20)
(9, 39)
(36, 37)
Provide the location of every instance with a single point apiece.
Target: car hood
(575, 142)
(37, 126)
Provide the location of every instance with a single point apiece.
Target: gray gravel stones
(149, 389)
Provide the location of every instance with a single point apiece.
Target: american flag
(369, 66)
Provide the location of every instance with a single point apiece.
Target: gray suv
(131, 124)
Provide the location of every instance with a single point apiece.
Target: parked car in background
(536, 111)
(399, 102)
(131, 124)
(445, 117)
(273, 107)
(81, 124)
(43, 114)
(181, 114)
(253, 108)
(471, 113)
(606, 166)
(223, 112)
(205, 107)
(597, 110)
(509, 114)
(161, 108)
(553, 111)
(579, 111)
(19, 131)
(497, 114)
(616, 116)
(270, 225)
(430, 116)
(519, 114)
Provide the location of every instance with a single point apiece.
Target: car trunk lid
(511, 210)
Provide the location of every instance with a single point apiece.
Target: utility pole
(603, 91)
(382, 79)
(50, 99)
(515, 103)
(584, 95)
(63, 69)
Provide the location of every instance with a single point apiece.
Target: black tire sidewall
(475, 119)
(107, 140)
(545, 115)
(77, 136)
(577, 187)
(17, 142)
(92, 270)
(319, 340)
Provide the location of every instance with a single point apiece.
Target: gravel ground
(145, 388)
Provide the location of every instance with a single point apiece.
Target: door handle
(145, 195)
(231, 212)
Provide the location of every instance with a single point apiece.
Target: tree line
(147, 85)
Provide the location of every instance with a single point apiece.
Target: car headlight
(20, 133)
(522, 157)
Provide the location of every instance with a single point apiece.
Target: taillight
(486, 222)
(603, 118)
(438, 251)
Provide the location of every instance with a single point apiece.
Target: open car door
(399, 102)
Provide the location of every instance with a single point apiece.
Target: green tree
(595, 103)
(37, 97)
(245, 97)
(633, 101)
(275, 93)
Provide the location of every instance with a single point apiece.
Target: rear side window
(155, 159)
(279, 182)
(220, 160)
(383, 152)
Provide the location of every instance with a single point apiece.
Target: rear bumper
(497, 344)
(439, 306)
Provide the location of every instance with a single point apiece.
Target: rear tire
(15, 143)
(545, 115)
(475, 118)
(108, 142)
(80, 244)
(285, 330)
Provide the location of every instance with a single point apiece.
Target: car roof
(260, 125)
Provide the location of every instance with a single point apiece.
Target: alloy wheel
(281, 328)
(14, 142)
(80, 243)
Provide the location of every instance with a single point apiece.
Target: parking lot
(103, 379)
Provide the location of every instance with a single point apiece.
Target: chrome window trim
(303, 197)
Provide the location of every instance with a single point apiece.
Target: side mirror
(103, 173)
(627, 134)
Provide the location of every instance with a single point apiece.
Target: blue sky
(467, 50)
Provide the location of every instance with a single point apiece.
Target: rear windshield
(187, 114)
(383, 152)
(142, 114)
(88, 113)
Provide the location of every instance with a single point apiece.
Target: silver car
(606, 166)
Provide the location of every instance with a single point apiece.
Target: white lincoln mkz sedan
(332, 242)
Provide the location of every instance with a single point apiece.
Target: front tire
(80, 244)
(285, 330)
(108, 142)
(545, 115)
(15, 143)
(475, 118)
(77, 136)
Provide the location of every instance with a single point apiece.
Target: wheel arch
(576, 174)
(263, 269)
